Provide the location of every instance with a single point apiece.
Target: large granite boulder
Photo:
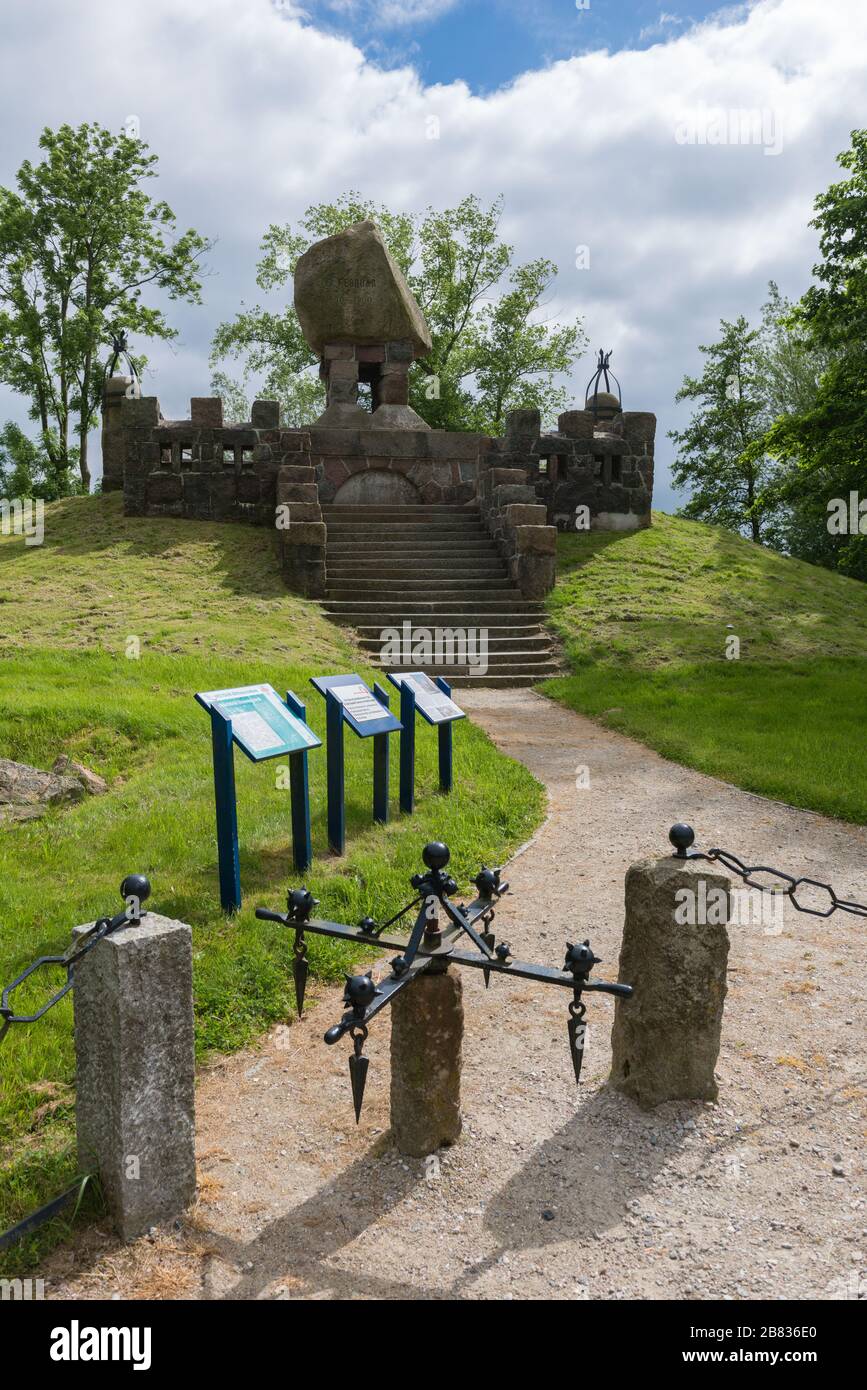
(27, 792)
(349, 289)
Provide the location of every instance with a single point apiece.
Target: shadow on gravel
(572, 1187)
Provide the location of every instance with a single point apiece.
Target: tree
(822, 448)
(714, 456)
(26, 467)
(79, 242)
(490, 350)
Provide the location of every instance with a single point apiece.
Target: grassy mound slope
(207, 608)
(646, 619)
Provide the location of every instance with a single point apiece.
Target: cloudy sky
(610, 125)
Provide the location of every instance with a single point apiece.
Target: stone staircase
(433, 567)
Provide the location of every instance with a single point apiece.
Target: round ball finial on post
(135, 886)
(436, 855)
(682, 837)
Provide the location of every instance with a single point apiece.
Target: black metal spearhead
(300, 970)
(358, 1066)
(580, 960)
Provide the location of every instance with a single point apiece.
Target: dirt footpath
(551, 1194)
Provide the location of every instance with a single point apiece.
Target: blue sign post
(349, 700)
(433, 701)
(254, 717)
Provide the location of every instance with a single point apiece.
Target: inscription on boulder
(349, 289)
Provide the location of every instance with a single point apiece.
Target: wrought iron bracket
(135, 889)
(433, 947)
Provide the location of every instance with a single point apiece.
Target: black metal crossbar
(432, 948)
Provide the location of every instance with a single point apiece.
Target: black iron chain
(787, 885)
(745, 871)
(139, 889)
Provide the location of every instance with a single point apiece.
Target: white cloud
(661, 26)
(255, 114)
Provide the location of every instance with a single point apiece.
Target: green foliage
(713, 459)
(491, 352)
(822, 448)
(26, 467)
(80, 241)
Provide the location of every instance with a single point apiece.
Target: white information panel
(436, 707)
(359, 702)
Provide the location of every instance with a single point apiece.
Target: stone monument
(358, 313)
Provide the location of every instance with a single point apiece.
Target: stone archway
(375, 487)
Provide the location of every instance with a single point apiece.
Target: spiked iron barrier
(432, 948)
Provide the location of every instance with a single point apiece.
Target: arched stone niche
(376, 487)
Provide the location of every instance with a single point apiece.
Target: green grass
(645, 618)
(209, 609)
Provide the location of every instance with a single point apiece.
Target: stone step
(515, 633)
(436, 568)
(379, 614)
(422, 511)
(529, 660)
(399, 545)
(503, 676)
(431, 570)
(374, 615)
(376, 531)
(438, 526)
(538, 646)
(407, 586)
(442, 555)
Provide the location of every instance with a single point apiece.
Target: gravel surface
(550, 1193)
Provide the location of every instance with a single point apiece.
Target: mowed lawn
(204, 606)
(647, 621)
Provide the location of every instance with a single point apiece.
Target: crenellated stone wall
(202, 468)
(605, 466)
(527, 484)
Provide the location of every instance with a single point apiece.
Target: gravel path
(550, 1194)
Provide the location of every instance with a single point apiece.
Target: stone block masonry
(135, 1071)
(605, 466)
(202, 468)
(525, 484)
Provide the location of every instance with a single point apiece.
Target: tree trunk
(83, 419)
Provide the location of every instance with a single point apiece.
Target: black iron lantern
(120, 352)
(599, 398)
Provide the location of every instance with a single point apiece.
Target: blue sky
(487, 43)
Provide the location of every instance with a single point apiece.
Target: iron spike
(300, 970)
(577, 1038)
(358, 1065)
(489, 940)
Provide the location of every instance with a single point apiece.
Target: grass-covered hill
(205, 606)
(646, 619)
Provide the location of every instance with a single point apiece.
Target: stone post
(134, 1049)
(427, 1027)
(665, 1043)
(113, 440)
